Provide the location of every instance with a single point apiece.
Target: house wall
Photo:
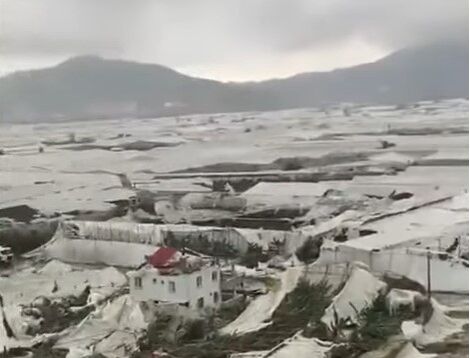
(156, 287)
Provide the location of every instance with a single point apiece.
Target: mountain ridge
(90, 87)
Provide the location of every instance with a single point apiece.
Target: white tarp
(359, 292)
(54, 280)
(437, 329)
(258, 313)
(296, 346)
(397, 350)
(101, 244)
(129, 232)
(301, 347)
(398, 298)
(6, 341)
(409, 351)
(447, 274)
(111, 330)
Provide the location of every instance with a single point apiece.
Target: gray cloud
(204, 35)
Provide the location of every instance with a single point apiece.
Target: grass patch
(228, 313)
(375, 327)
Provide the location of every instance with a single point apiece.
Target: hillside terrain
(90, 87)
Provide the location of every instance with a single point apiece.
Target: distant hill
(90, 87)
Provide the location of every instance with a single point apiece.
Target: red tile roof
(164, 257)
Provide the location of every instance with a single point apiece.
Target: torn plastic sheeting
(95, 251)
(359, 292)
(296, 346)
(409, 351)
(332, 224)
(398, 298)
(125, 313)
(413, 225)
(23, 286)
(255, 354)
(112, 231)
(264, 237)
(79, 353)
(55, 267)
(397, 350)
(120, 344)
(392, 157)
(112, 330)
(7, 336)
(300, 347)
(447, 275)
(335, 275)
(437, 329)
(258, 313)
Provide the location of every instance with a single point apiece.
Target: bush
(253, 255)
(376, 325)
(310, 250)
(201, 244)
(193, 330)
(293, 164)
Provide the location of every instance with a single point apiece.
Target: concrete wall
(156, 287)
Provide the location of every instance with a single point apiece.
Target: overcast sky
(224, 39)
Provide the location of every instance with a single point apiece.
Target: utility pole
(428, 262)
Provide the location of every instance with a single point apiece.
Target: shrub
(309, 251)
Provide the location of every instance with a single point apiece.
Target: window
(172, 286)
(214, 276)
(216, 297)
(200, 302)
(138, 282)
(199, 281)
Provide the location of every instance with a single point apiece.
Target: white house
(172, 277)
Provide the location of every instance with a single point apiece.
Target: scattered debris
(384, 144)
